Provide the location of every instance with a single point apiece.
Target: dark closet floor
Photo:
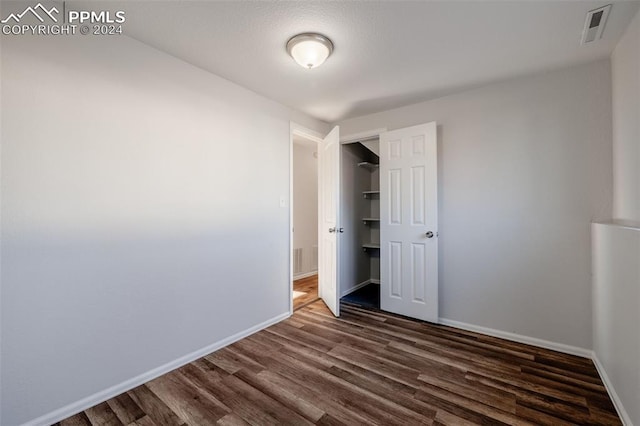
(366, 297)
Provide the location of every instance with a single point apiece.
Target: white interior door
(329, 191)
(409, 222)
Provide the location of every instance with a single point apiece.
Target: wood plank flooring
(305, 291)
(366, 367)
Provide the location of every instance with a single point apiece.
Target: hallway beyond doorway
(305, 291)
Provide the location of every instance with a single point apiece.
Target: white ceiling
(387, 54)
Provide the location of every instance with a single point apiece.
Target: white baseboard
(560, 347)
(305, 275)
(97, 398)
(354, 288)
(624, 416)
(374, 281)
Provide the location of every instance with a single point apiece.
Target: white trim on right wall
(533, 341)
(617, 402)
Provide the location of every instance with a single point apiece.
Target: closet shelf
(369, 166)
(371, 246)
(370, 219)
(370, 193)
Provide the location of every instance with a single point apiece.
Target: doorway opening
(304, 222)
(327, 198)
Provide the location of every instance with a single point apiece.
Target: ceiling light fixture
(310, 50)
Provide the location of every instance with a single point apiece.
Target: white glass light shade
(309, 50)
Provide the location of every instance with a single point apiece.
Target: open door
(409, 222)
(328, 230)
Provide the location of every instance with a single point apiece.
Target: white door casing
(409, 222)
(328, 231)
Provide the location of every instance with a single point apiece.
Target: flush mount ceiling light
(309, 50)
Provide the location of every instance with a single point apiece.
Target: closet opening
(360, 215)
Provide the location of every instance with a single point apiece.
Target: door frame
(348, 140)
(361, 136)
(317, 137)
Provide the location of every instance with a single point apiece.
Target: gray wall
(525, 166)
(125, 243)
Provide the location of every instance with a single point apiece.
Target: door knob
(341, 230)
(429, 234)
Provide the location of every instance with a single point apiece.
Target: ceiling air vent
(594, 25)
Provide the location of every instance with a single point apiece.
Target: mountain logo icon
(33, 11)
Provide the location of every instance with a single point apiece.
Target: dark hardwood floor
(366, 367)
(305, 291)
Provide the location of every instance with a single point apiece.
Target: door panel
(417, 193)
(395, 196)
(329, 190)
(408, 213)
(395, 269)
(418, 278)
